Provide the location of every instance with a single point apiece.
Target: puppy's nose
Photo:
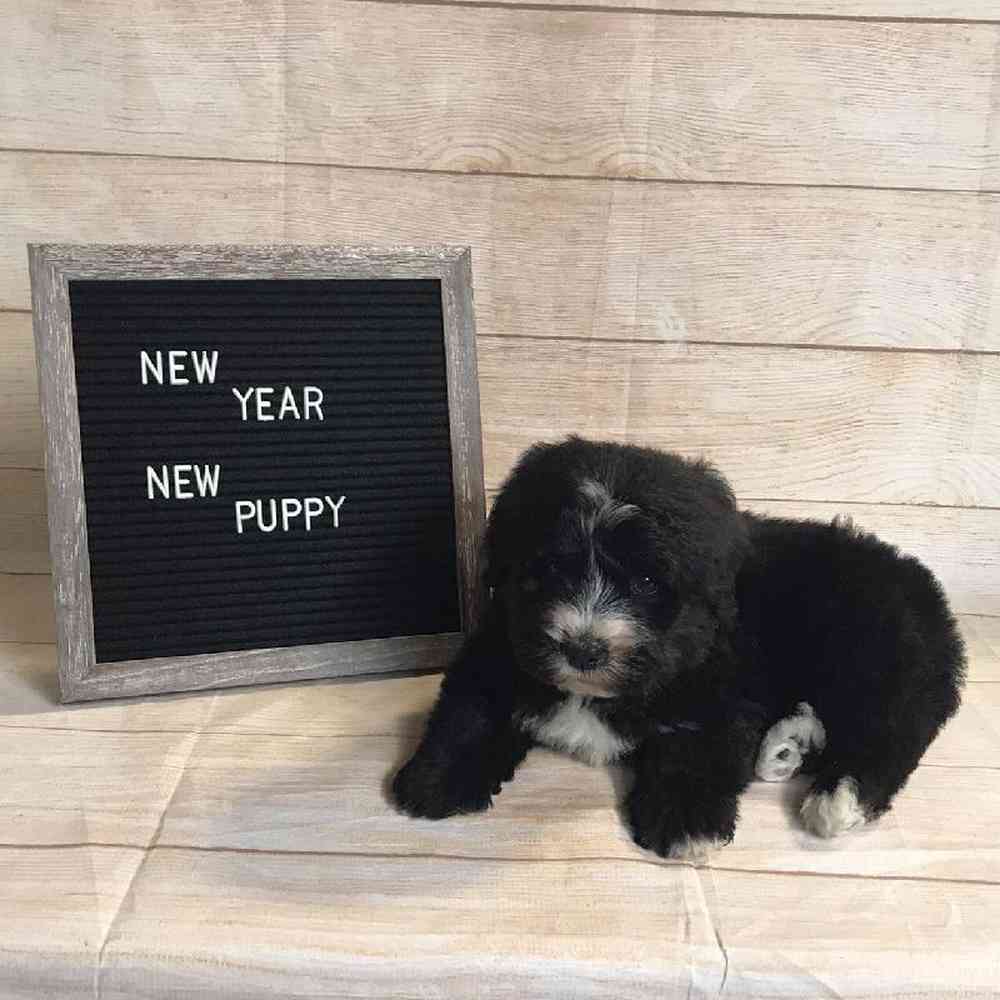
(585, 654)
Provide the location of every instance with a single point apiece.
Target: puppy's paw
(434, 789)
(695, 849)
(670, 830)
(829, 814)
(786, 744)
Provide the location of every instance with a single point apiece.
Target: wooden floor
(240, 844)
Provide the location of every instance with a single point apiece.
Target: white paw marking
(828, 814)
(786, 744)
(574, 728)
(694, 848)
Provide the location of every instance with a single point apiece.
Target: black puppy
(638, 615)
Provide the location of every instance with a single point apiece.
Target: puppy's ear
(500, 541)
(527, 502)
(706, 534)
(725, 544)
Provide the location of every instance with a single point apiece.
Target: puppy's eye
(643, 586)
(537, 572)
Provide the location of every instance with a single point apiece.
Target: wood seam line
(740, 344)
(209, 734)
(429, 856)
(595, 178)
(690, 342)
(687, 12)
(714, 13)
(154, 838)
(710, 901)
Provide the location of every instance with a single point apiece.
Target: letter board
(278, 469)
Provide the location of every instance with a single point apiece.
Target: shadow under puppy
(637, 615)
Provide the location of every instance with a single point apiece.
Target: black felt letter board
(192, 489)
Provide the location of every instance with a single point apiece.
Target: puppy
(637, 615)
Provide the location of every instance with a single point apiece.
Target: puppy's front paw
(434, 789)
(670, 829)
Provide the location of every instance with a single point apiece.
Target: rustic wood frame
(52, 267)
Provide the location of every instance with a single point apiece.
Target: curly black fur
(637, 614)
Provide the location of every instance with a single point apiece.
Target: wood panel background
(766, 231)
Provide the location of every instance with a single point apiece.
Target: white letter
(162, 484)
(244, 511)
(313, 403)
(336, 509)
(288, 403)
(243, 399)
(286, 510)
(208, 482)
(314, 507)
(155, 368)
(261, 403)
(274, 515)
(176, 367)
(179, 491)
(203, 368)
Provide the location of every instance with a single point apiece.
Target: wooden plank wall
(766, 231)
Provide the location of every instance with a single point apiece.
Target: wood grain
(553, 929)
(29, 696)
(595, 259)
(982, 638)
(81, 200)
(63, 787)
(666, 262)
(69, 546)
(822, 425)
(644, 96)
(499, 89)
(26, 609)
(544, 895)
(328, 795)
(24, 544)
(969, 10)
(21, 445)
(56, 908)
(850, 938)
(181, 79)
(380, 927)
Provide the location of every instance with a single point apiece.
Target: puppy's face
(585, 609)
(609, 561)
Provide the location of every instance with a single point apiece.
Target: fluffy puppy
(637, 615)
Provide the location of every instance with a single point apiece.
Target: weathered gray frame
(52, 267)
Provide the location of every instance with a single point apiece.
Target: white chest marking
(573, 727)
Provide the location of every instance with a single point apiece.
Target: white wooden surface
(618, 260)
(510, 89)
(240, 844)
